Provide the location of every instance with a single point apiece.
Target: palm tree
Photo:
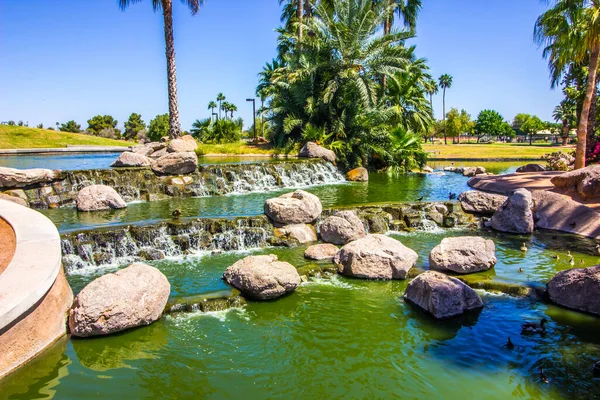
(431, 88)
(570, 32)
(407, 10)
(167, 9)
(211, 106)
(220, 99)
(232, 108)
(226, 107)
(445, 82)
(565, 114)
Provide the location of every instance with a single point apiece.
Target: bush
(560, 161)
(158, 127)
(101, 123)
(221, 131)
(70, 126)
(133, 126)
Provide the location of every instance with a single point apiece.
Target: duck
(581, 261)
(176, 214)
(556, 257)
(543, 376)
(509, 344)
(420, 199)
(572, 262)
(524, 248)
(598, 249)
(520, 270)
(451, 196)
(532, 327)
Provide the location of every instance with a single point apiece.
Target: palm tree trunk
(174, 126)
(591, 129)
(585, 111)
(444, 114)
(299, 16)
(262, 116)
(308, 11)
(565, 132)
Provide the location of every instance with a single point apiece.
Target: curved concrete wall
(34, 294)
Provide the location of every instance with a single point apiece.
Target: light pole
(253, 115)
(215, 117)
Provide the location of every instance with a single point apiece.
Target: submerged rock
(584, 181)
(342, 227)
(176, 163)
(577, 289)
(463, 255)
(129, 159)
(262, 277)
(298, 207)
(183, 144)
(375, 257)
(458, 170)
(515, 215)
(359, 174)
(442, 296)
(321, 252)
(531, 168)
(472, 171)
(313, 150)
(151, 254)
(478, 202)
(131, 297)
(12, 177)
(99, 197)
(299, 233)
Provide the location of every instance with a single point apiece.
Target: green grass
(497, 151)
(22, 137)
(237, 148)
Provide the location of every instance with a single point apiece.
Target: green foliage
(219, 131)
(158, 127)
(458, 123)
(102, 122)
(70, 126)
(133, 126)
(11, 123)
(533, 125)
(490, 122)
(40, 126)
(519, 120)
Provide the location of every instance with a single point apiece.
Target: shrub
(70, 126)
(221, 131)
(559, 161)
(158, 127)
(103, 122)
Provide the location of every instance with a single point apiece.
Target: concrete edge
(73, 149)
(35, 264)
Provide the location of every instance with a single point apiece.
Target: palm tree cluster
(339, 80)
(569, 33)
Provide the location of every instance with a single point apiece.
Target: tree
(519, 120)
(40, 126)
(70, 126)
(133, 126)
(101, 122)
(167, 9)
(220, 99)
(226, 107)
(220, 131)
(445, 82)
(565, 113)
(489, 122)
(211, 106)
(570, 32)
(431, 88)
(158, 127)
(532, 126)
(232, 108)
(457, 123)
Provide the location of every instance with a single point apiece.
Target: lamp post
(253, 115)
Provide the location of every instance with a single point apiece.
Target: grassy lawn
(22, 137)
(492, 151)
(238, 148)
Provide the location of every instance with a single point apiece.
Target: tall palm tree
(220, 99)
(445, 82)
(232, 108)
(211, 106)
(167, 9)
(570, 32)
(226, 107)
(407, 10)
(431, 88)
(565, 113)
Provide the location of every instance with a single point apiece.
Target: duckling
(543, 376)
(598, 249)
(176, 214)
(532, 327)
(556, 257)
(420, 199)
(524, 248)
(520, 270)
(581, 261)
(511, 346)
(572, 262)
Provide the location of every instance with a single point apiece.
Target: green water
(335, 338)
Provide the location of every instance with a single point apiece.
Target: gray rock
(300, 233)
(143, 149)
(313, 150)
(463, 255)
(12, 177)
(183, 144)
(441, 296)
(298, 207)
(341, 227)
(375, 257)
(99, 197)
(359, 174)
(458, 170)
(159, 153)
(577, 289)
(262, 277)
(531, 168)
(129, 159)
(134, 296)
(151, 254)
(13, 199)
(176, 163)
(472, 171)
(477, 202)
(321, 252)
(584, 181)
(515, 215)
(427, 169)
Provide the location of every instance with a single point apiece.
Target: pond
(336, 337)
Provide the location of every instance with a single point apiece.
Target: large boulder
(298, 233)
(515, 215)
(477, 202)
(577, 289)
(143, 149)
(176, 163)
(584, 181)
(472, 171)
(12, 177)
(129, 159)
(99, 197)
(183, 144)
(375, 257)
(342, 227)
(359, 174)
(458, 170)
(131, 297)
(313, 150)
(442, 296)
(13, 199)
(321, 252)
(298, 207)
(262, 277)
(463, 255)
(531, 168)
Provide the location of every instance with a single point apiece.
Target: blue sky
(66, 60)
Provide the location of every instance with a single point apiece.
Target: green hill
(22, 137)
